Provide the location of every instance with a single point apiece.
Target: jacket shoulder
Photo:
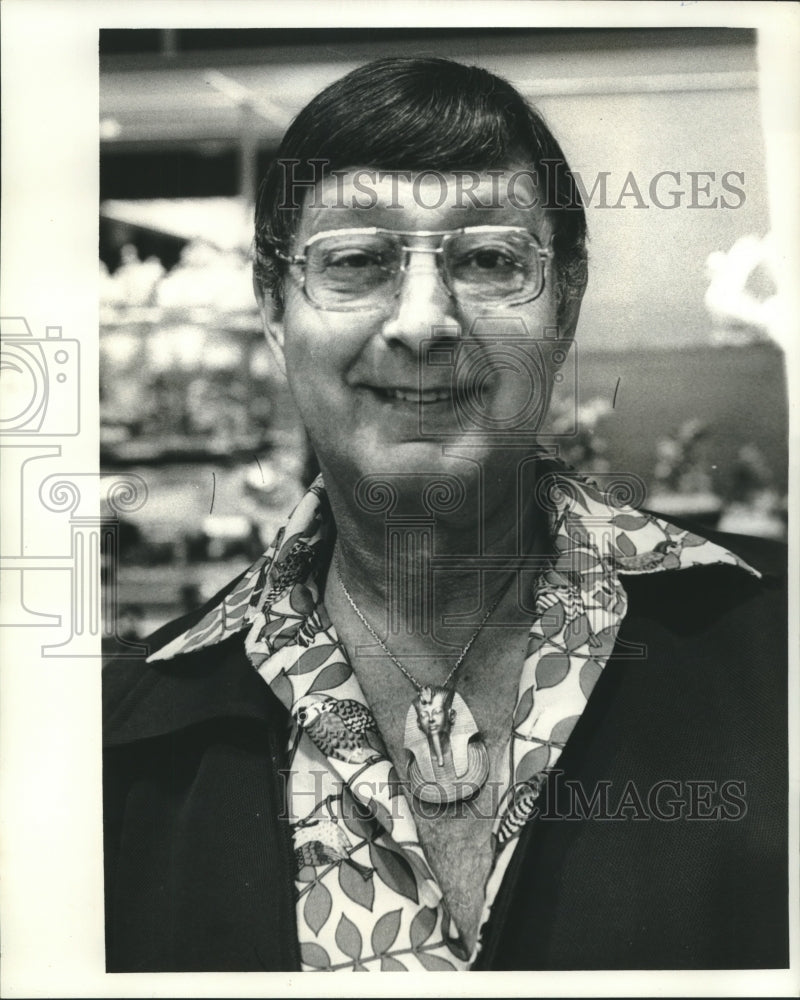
(142, 700)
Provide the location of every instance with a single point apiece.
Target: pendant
(447, 758)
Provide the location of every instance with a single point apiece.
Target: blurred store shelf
(226, 223)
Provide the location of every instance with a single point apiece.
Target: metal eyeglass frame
(545, 254)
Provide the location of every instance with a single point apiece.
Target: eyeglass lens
(357, 270)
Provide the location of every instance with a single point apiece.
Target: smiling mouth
(418, 396)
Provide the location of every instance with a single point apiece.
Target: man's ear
(568, 312)
(272, 320)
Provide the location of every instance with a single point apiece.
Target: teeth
(413, 396)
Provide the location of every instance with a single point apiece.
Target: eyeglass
(348, 270)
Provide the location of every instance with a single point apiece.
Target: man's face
(363, 381)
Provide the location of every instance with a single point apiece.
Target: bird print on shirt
(293, 567)
(519, 808)
(560, 594)
(646, 562)
(322, 842)
(344, 729)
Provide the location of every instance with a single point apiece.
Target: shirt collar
(595, 540)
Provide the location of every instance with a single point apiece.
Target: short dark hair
(413, 115)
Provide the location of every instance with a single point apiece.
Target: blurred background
(678, 372)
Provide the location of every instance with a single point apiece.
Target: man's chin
(418, 456)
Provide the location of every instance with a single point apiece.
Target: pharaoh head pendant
(447, 758)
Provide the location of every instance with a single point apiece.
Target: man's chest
(459, 849)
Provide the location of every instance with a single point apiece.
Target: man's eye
(354, 260)
(489, 259)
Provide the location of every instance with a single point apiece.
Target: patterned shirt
(367, 899)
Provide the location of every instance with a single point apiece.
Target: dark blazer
(662, 842)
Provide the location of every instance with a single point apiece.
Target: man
(469, 710)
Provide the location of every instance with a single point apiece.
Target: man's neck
(400, 568)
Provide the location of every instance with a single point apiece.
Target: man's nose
(424, 308)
